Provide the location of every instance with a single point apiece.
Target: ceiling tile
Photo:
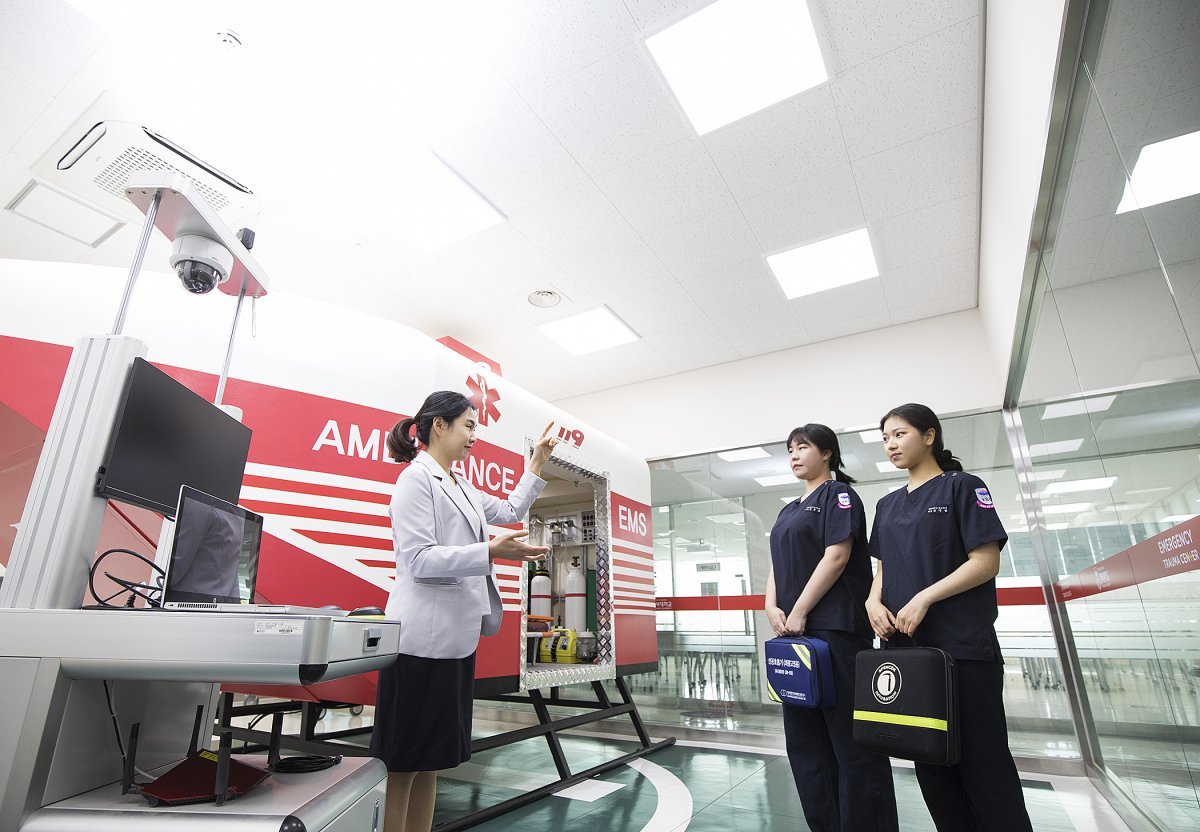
(652, 16)
(512, 160)
(1072, 257)
(821, 206)
(858, 30)
(1171, 116)
(691, 346)
(930, 232)
(23, 103)
(1135, 31)
(1183, 71)
(822, 312)
(763, 328)
(1128, 248)
(736, 287)
(45, 43)
(1095, 188)
(932, 287)
(534, 43)
(1131, 85)
(703, 244)
(955, 300)
(666, 187)
(497, 255)
(613, 112)
(623, 269)
(1173, 226)
(920, 173)
(1100, 127)
(865, 319)
(929, 85)
(779, 145)
(573, 223)
(656, 309)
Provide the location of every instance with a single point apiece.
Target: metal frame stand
(311, 742)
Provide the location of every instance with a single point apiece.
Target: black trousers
(983, 792)
(842, 787)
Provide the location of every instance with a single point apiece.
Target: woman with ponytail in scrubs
(938, 543)
(820, 574)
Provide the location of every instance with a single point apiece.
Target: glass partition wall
(712, 518)
(1104, 403)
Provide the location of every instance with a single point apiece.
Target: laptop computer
(213, 565)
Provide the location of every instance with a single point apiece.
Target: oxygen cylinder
(576, 597)
(539, 592)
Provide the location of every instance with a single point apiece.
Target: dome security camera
(201, 263)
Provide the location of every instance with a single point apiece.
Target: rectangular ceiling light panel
(64, 214)
(1066, 446)
(1074, 486)
(1081, 407)
(591, 331)
(441, 207)
(743, 454)
(778, 479)
(736, 57)
(1164, 171)
(825, 265)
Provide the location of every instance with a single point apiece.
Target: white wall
(1020, 58)
(944, 362)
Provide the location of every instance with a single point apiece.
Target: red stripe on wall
(316, 490)
(637, 579)
(625, 550)
(287, 510)
(640, 565)
(356, 540)
(1008, 596)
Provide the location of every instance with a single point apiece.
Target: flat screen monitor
(165, 436)
(214, 554)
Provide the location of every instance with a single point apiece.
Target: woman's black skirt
(423, 713)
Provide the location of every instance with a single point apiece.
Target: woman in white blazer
(444, 597)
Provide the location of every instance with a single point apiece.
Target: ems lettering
(631, 521)
(370, 447)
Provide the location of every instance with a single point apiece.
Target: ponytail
(946, 460)
(400, 445)
(403, 438)
(823, 439)
(924, 419)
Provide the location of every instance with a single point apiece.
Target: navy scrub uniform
(842, 788)
(921, 537)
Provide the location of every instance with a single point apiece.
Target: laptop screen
(214, 554)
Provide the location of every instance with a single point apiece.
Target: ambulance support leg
(983, 792)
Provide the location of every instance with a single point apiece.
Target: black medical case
(906, 704)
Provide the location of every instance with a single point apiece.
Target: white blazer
(445, 594)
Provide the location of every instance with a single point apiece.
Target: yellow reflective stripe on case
(803, 653)
(903, 719)
(772, 694)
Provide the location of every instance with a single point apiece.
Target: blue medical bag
(799, 672)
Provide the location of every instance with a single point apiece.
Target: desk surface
(199, 646)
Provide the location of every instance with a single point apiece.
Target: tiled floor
(723, 789)
(746, 786)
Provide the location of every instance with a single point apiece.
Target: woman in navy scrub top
(820, 575)
(938, 543)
